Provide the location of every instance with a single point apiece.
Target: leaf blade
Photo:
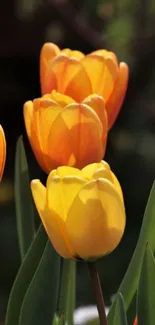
(40, 301)
(120, 314)
(24, 276)
(129, 284)
(23, 200)
(146, 292)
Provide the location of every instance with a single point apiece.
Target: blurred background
(122, 26)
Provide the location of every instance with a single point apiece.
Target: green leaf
(146, 290)
(40, 301)
(23, 200)
(120, 314)
(67, 292)
(24, 277)
(55, 320)
(130, 282)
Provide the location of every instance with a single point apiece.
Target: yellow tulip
(82, 210)
(63, 132)
(2, 151)
(78, 75)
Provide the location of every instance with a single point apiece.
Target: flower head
(64, 132)
(78, 75)
(2, 151)
(82, 210)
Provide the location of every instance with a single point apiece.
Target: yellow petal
(2, 151)
(52, 224)
(68, 171)
(96, 219)
(91, 171)
(102, 170)
(39, 196)
(76, 137)
(102, 73)
(60, 194)
(48, 52)
(32, 133)
(115, 101)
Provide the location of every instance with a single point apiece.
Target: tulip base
(98, 292)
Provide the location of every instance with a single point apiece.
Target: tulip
(78, 75)
(2, 151)
(135, 321)
(63, 132)
(82, 210)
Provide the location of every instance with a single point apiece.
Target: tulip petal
(32, 133)
(64, 74)
(76, 54)
(51, 225)
(76, 137)
(96, 219)
(2, 151)
(102, 73)
(106, 54)
(66, 170)
(39, 196)
(45, 112)
(44, 115)
(48, 52)
(97, 103)
(97, 170)
(115, 101)
(60, 194)
(102, 170)
(61, 99)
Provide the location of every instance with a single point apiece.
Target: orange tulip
(78, 75)
(2, 151)
(64, 132)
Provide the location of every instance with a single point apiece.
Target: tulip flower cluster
(81, 206)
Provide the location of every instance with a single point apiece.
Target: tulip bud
(78, 75)
(64, 132)
(82, 210)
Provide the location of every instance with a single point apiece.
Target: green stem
(67, 292)
(98, 292)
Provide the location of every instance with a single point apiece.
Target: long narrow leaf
(40, 301)
(23, 200)
(120, 313)
(146, 290)
(24, 277)
(130, 282)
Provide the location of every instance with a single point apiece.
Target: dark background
(128, 29)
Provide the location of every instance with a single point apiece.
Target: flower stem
(98, 292)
